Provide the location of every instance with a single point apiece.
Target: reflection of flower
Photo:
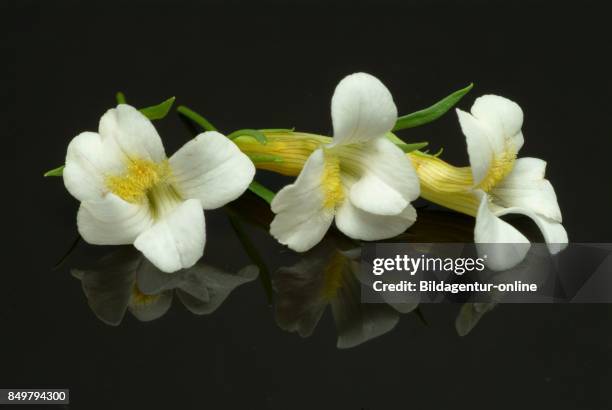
(130, 192)
(124, 280)
(361, 178)
(326, 276)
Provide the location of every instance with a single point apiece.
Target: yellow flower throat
(145, 181)
(331, 181)
(501, 166)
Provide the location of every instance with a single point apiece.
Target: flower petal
(88, 160)
(219, 285)
(492, 132)
(112, 221)
(358, 224)
(108, 285)
(132, 133)
(553, 232)
(503, 116)
(362, 109)
(480, 149)
(301, 218)
(212, 169)
(491, 231)
(149, 307)
(525, 187)
(388, 181)
(358, 322)
(177, 240)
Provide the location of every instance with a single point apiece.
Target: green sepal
(431, 113)
(279, 130)
(412, 147)
(159, 111)
(55, 172)
(265, 158)
(120, 97)
(196, 118)
(258, 135)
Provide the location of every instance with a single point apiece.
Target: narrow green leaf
(261, 191)
(55, 172)
(120, 98)
(265, 158)
(159, 111)
(412, 147)
(258, 135)
(431, 113)
(196, 118)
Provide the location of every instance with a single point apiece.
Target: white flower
(506, 184)
(130, 192)
(361, 178)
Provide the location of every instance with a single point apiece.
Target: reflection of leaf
(431, 113)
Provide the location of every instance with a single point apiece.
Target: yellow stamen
(331, 181)
(139, 178)
(501, 166)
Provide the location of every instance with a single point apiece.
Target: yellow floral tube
(441, 182)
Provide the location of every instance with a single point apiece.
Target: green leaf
(431, 113)
(159, 111)
(412, 147)
(258, 135)
(196, 118)
(120, 98)
(55, 172)
(261, 191)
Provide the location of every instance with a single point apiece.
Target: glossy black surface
(276, 65)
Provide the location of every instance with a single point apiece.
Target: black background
(275, 64)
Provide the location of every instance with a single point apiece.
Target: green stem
(195, 117)
(261, 191)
